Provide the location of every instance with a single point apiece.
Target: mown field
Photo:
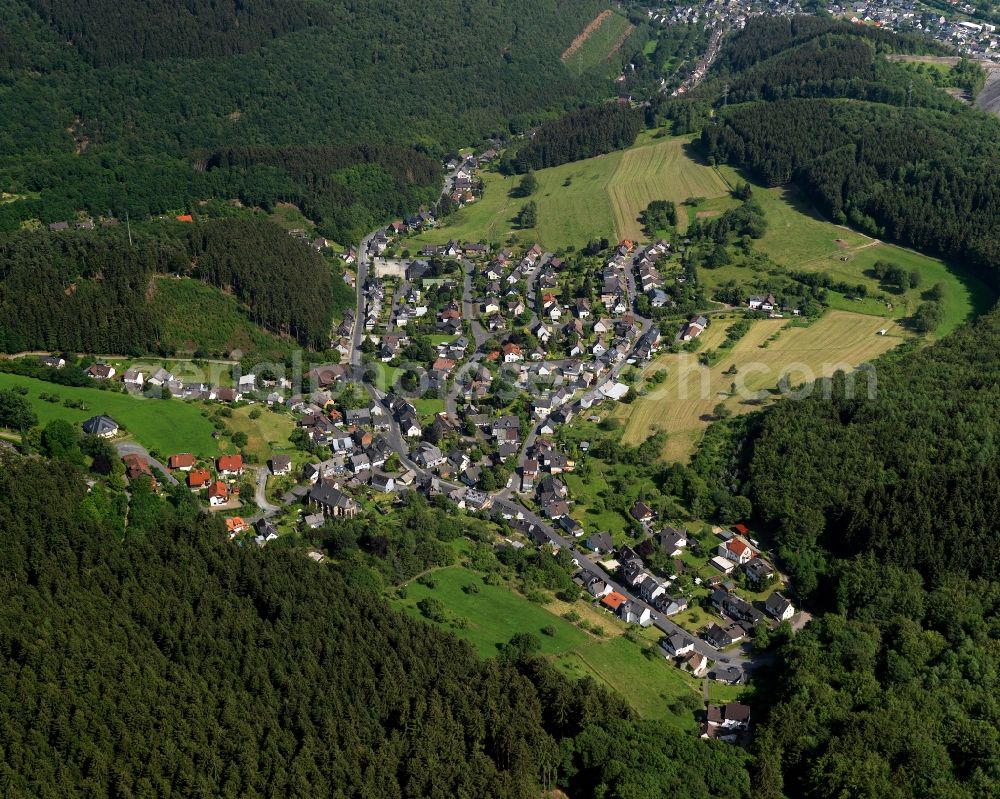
(598, 46)
(683, 404)
(164, 425)
(577, 202)
(495, 613)
(661, 170)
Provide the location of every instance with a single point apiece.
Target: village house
(101, 371)
(694, 328)
(642, 513)
(229, 465)
(136, 466)
(101, 426)
(236, 525)
(182, 462)
(779, 606)
(677, 645)
(133, 379)
(281, 465)
(726, 722)
(695, 663)
(633, 612)
(197, 479)
(736, 550)
(511, 353)
(613, 601)
(218, 493)
(722, 637)
(759, 571)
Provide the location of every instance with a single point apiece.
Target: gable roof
(230, 463)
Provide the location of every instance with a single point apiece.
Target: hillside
(875, 488)
(174, 664)
(248, 286)
(286, 79)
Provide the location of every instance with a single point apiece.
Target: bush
(432, 609)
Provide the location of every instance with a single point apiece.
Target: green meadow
(164, 425)
(493, 614)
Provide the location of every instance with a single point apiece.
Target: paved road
(364, 262)
(129, 448)
(359, 311)
(260, 495)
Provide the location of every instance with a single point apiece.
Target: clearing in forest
(585, 34)
(601, 39)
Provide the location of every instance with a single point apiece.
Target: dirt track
(577, 43)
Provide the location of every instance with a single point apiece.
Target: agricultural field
(594, 198)
(493, 614)
(597, 43)
(682, 406)
(163, 425)
(660, 170)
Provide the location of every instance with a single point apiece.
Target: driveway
(131, 448)
(260, 496)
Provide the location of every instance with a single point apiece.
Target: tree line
(577, 135)
(881, 508)
(873, 487)
(916, 176)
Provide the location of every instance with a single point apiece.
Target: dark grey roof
(100, 425)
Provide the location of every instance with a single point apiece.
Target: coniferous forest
(277, 98)
(877, 489)
(169, 662)
(92, 292)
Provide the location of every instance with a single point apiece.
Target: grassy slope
(167, 426)
(798, 238)
(683, 404)
(598, 45)
(580, 201)
(496, 613)
(658, 170)
(197, 316)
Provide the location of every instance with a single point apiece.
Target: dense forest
(578, 135)
(877, 489)
(92, 292)
(882, 508)
(155, 29)
(266, 78)
(168, 662)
